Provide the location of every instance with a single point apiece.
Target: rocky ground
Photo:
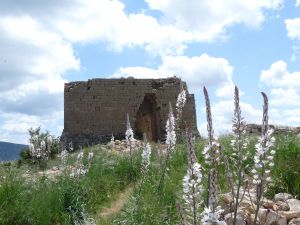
(282, 210)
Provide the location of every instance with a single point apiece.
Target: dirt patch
(116, 206)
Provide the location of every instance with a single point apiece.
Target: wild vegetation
(171, 183)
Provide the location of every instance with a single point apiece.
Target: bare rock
(290, 214)
(294, 204)
(257, 220)
(295, 221)
(247, 206)
(262, 215)
(268, 204)
(239, 219)
(274, 218)
(282, 197)
(282, 206)
(226, 198)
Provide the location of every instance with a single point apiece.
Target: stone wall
(256, 129)
(95, 109)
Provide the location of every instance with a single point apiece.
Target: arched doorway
(147, 118)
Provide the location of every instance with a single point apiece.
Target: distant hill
(10, 151)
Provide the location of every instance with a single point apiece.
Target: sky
(254, 44)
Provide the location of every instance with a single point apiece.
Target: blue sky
(253, 44)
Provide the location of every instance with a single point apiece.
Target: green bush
(25, 155)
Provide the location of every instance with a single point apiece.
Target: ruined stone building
(96, 108)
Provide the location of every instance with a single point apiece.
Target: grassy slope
(48, 202)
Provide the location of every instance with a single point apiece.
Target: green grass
(27, 201)
(286, 173)
(61, 201)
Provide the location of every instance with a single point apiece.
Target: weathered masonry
(95, 109)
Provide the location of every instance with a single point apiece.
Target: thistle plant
(130, 143)
(212, 218)
(64, 155)
(90, 157)
(129, 135)
(112, 141)
(180, 103)
(180, 213)
(170, 142)
(263, 159)
(192, 187)
(239, 155)
(212, 156)
(145, 156)
(80, 168)
(71, 148)
(170, 130)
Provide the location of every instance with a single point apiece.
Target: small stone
(294, 204)
(289, 214)
(295, 221)
(245, 204)
(240, 219)
(282, 206)
(252, 216)
(226, 198)
(262, 215)
(282, 197)
(268, 204)
(274, 218)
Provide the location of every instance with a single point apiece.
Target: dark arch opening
(147, 118)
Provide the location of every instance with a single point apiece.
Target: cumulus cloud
(32, 63)
(285, 85)
(293, 28)
(208, 19)
(197, 71)
(297, 3)
(86, 21)
(15, 125)
(37, 46)
(222, 113)
(285, 92)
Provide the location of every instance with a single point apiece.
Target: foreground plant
(112, 141)
(130, 143)
(146, 154)
(263, 159)
(170, 142)
(192, 187)
(180, 103)
(192, 194)
(239, 155)
(212, 156)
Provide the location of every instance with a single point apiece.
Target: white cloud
(15, 125)
(106, 21)
(181, 23)
(293, 28)
(285, 85)
(297, 3)
(222, 113)
(210, 18)
(37, 40)
(197, 71)
(86, 21)
(32, 63)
